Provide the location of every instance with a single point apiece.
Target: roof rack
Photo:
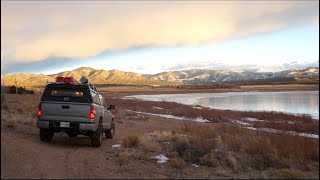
(70, 80)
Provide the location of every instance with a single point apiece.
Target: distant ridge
(169, 78)
(207, 76)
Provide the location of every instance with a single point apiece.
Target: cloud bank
(34, 31)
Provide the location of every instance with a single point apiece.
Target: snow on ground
(157, 107)
(198, 119)
(195, 165)
(116, 145)
(127, 97)
(285, 132)
(252, 119)
(240, 122)
(160, 158)
(197, 107)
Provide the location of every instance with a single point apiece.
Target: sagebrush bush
(177, 162)
(131, 141)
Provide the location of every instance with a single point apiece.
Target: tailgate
(66, 111)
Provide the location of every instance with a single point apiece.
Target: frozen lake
(300, 102)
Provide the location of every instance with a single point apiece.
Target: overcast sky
(150, 37)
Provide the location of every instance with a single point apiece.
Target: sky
(150, 37)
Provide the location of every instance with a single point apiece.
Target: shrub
(131, 141)
(177, 162)
(210, 160)
(180, 145)
(123, 158)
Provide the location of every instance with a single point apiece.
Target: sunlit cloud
(34, 30)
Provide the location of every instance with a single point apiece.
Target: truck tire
(46, 135)
(110, 132)
(96, 138)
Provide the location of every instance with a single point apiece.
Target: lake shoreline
(284, 101)
(137, 90)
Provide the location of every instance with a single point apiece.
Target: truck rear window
(68, 93)
(79, 94)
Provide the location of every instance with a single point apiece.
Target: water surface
(296, 102)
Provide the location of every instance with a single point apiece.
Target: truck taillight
(39, 112)
(92, 112)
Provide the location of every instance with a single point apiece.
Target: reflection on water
(301, 102)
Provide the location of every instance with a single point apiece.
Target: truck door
(107, 116)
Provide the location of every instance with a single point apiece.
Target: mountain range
(164, 78)
(208, 76)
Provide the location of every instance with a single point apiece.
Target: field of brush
(229, 144)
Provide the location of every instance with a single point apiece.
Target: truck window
(95, 98)
(103, 102)
(67, 94)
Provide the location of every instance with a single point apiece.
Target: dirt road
(23, 155)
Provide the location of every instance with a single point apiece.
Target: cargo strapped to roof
(71, 80)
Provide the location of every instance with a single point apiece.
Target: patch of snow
(166, 142)
(195, 165)
(240, 122)
(198, 119)
(285, 132)
(116, 145)
(160, 158)
(157, 107)
(252, 119)
(127, 97)
(197, 107)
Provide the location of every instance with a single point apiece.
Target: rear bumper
(74, 126)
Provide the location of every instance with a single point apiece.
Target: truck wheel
(46, 135)
(110, 132)
(96, 138)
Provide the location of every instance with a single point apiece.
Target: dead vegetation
(228, 147)
(19, 109)
(225, 146)
(275, 120)
(131, 141)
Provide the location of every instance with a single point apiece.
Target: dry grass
(136, 116)
(310, 127)
(150, 146)
(20, 108)
(222, 145)
(230, 147)
(289, 174)
(276, 120)
(131, 141)
(177, 162)
(123, 158)
(249, 148)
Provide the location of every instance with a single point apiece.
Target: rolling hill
(209, 76)
(94, 76)
(193, 76)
